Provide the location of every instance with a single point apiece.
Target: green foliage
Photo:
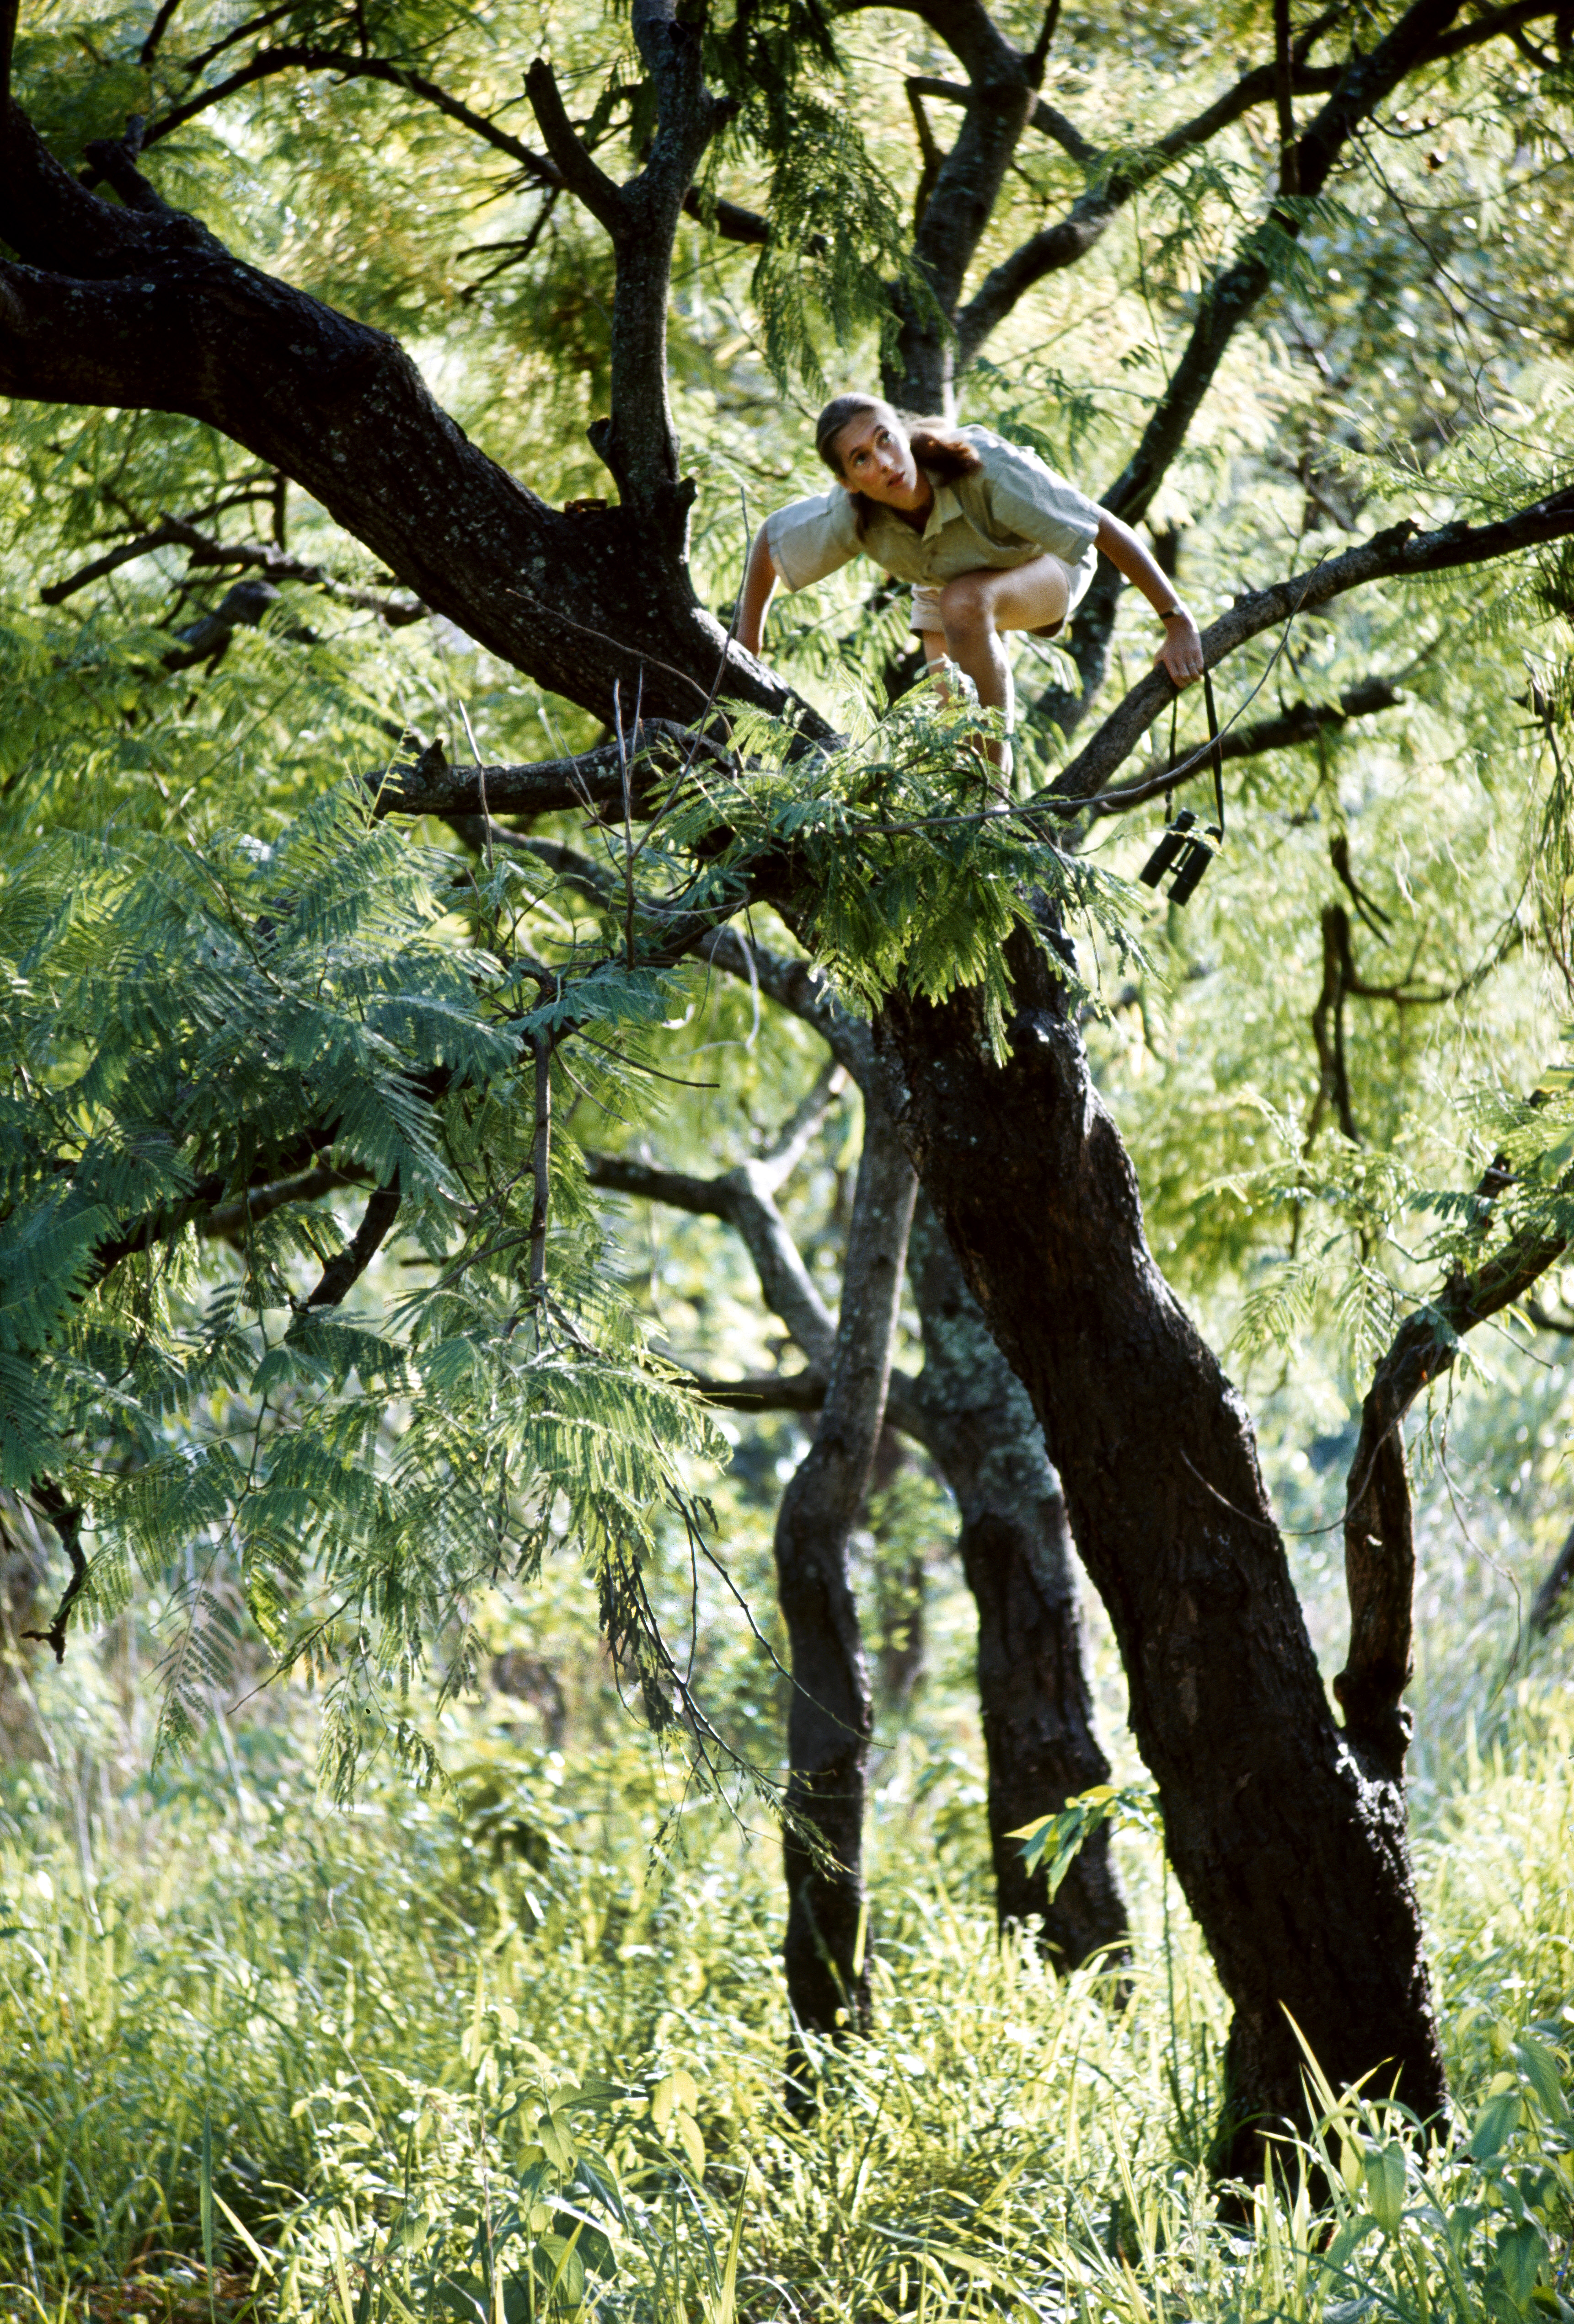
(420, 2072)
(1119, 1807)
(209, 1021)
(902, 868)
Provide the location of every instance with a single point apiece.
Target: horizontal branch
(1303, 722)
(1401, 552)
(765, 1391)
(230, 1220)
(592, 779)
(204, 551)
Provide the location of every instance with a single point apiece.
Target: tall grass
(498, 2056)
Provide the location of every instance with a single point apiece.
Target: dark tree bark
(970, 1414)
(1287, 1832)
(1379, 1534)
(830, 1718)
(1016, 1552)
(1288, 1842)
(1547, 1607)
(140, 305)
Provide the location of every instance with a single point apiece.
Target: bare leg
(977, 606)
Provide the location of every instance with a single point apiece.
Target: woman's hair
(935, 446)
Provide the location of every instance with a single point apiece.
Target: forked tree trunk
(1289, 1843)
(1016, 1552)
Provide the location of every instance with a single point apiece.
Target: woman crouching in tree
(989, 538)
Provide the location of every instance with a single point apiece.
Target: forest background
(423, 1978)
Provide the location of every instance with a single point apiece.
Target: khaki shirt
(1011, 511)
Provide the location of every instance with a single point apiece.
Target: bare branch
(800, 987)
(765, 1391)
(204, 550)
(67, 1521)
(728, 220)
(1362, 85)
(1043, 116)
(228, 1220)
(745, 1198)
(294, 57)
(344, 1271)
(1400, 552)
(1070, 238)
(1379, 1542)
(544, 786)
(1302, 722)
(581, 176)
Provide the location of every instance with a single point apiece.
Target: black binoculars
(1185, 849)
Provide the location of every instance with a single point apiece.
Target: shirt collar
(946, 505)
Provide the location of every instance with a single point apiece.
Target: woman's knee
(964, 608)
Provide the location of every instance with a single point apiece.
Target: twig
(67, 1521)
(541, 1159)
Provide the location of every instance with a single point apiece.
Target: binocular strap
(1184, 848)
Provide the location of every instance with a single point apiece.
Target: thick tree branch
(228, 1221)
(830, 1718)
(591, 781)
(1380, 1540)
(581, 176)
(1400, 552)
(1070, 238)
(345, 1270)
(638, 443)
(146, 309)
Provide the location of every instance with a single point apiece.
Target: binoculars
(1187, 850)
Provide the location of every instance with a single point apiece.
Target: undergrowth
(515, 2051)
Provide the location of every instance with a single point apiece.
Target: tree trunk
(1015, 1544)
(829, 1719)
(1288, 1841)
(1547, 1607)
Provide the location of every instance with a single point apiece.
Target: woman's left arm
(1181, 653)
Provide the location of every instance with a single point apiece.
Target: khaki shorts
(927, 616)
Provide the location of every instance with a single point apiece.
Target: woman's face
(877, 458)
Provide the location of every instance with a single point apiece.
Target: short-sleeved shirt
(1012, 509)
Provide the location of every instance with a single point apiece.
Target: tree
(1287, 1830)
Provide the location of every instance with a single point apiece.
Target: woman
(991, 538)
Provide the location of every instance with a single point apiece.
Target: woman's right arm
(759, 580)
